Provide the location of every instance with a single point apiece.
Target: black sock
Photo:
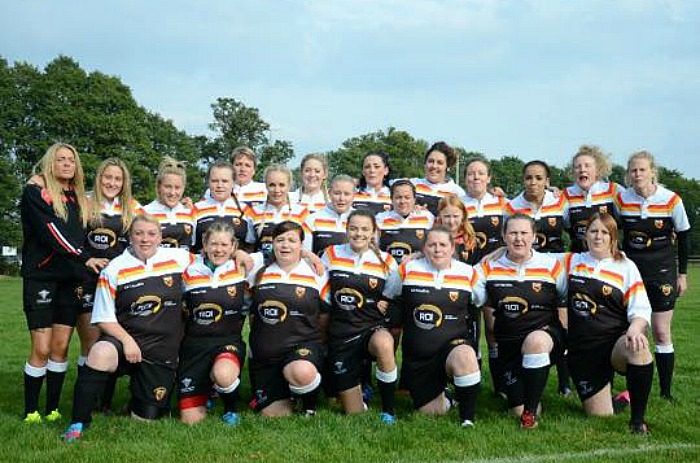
(466, 397)
(534, 381)
(32, 389)
(88, 388)
(664, 365)
(496, 374)
(310, 400)
(386, 392)
(563, 373)
(639, 379)
(108, 392)
(54, 386)
(230, 400)
(367, 373)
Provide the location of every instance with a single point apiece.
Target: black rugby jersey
(214, 299)
(401, 236)
(176, 224)
(582, 205)
(524, 297)
(357, 284)
(549, 220)
(326, 228)
(486, 217)
(284, 310)
(436, 306)
(375, 201)
(429, 194)
(649, 226)
(265, 217)
(208, 211)
(145, 298)
(604, 296)
(108, 238)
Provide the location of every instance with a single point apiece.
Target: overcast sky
(534, 79)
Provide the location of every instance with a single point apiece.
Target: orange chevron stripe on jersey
(103, 282)
(634, 289)
(418, 221)
(233, 274)
(419, 276)
(194, 279)
(328, 224)
(460, 280)
(613, 277)
(167, 265)
(299, 278)
(130, 272)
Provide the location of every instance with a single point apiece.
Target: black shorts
(268, 381)
(510, 360)
(662, 294)
(347, 360)
(426, 379)
(591, 369)
(86, 293)
(49, 303)
(151, 383)
(197, 355)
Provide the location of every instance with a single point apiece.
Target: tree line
(99, 115)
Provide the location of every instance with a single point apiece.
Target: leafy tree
(507, 173)
(236, 124)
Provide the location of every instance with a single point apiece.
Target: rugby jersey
(108, 238)
(375, 201)
(313, 203)
(214, 299)
(326, 228)
(436, 307)
(401, 236)
(549, 220)
(428, 194)
(250, 194)
(524, 296)
(486, 216)
(208, 211)
(649, 226)
(357, 283)
(581, 205)
(176, 224)
(604, 296)
(145, 298)
(284, 310)
(264, 218)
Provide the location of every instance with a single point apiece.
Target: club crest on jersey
(495, 221)
(168, 281)
(666, 289)
(79, 292)
(607, 290)
(231, 290)
(188, 229)
(159, 393)
(300, 291)
(537, 286)
(236, 222)
(454, 295)
(465, 255)
(303, 352)
(603, 209)
(659, 224)
(230, 348)
(420, 234)
(457, 342)
(552, 221)
(373, 282)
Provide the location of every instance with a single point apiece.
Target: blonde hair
(171, 166)
(268, 170)
(125, 198)
(324, 163)
(602, 160)
(243, 152)
(643, 154)
(144, 218)
(45, 168)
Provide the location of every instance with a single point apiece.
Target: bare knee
(300, 373)
(103, 357)
(381, 346)
(224, 372)
(193, 415)
(462, 361)
(537, 342)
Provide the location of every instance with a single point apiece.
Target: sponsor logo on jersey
(583, 306)
(159, 393)
(349, 299)
(230, 348)
(300, 291)
(231, 290)
(454, 295)
(666, 289)
(607, 290)
(513, 306)
(373, 282)
(207, 313)
(146, 305)
(44, 297)
(427, 316)
(168, 281)
(102, 238)
(186, 385)
(399, 249)
(639, 240)
(339, 368)
(272, 312)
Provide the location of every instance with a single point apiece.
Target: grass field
(564, 434)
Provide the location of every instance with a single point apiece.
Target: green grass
(564, 434)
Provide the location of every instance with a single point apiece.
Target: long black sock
(55, 375)
(563, 373)
(496, 372)
(88, 388)
(534, 380)
(310, 400)
(33, 379)
(386, 391)
(664, 365)
(108, 392)
(466, 396)
(639, 379)
(230, 398)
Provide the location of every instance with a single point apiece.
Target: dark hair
(444, 148)
(385, 159)
(280, 229)
(537, 162)
(365, 213)
(402, 182)
(520, 216)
